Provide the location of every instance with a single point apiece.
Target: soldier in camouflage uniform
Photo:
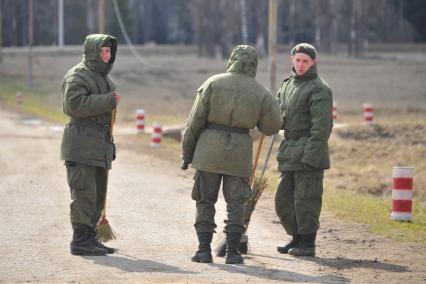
(88, 99)
(306, 106)
(217, 143)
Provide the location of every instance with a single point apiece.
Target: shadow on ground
(132, 264)
(280, 275)
(345, 263)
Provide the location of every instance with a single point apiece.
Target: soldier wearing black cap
(306, 106)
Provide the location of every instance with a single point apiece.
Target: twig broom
(104, 232)
(258, 184)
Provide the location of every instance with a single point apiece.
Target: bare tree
(356, 29)
(3, 5)
(91, 15)
(326, 25)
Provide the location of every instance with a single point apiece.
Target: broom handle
(107, 171)
(256, 160)
(268, 155)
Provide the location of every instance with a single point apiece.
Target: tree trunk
(91, 16)
(334, 26)
(292, 23)
(1, 31)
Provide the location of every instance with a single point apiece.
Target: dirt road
(151, 209)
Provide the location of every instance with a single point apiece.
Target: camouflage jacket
(232, 99)
(306, 105)
(88, 99)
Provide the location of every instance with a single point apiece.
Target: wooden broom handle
(113, 113)
(256, 160)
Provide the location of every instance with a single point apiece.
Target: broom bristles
(104, 232)
(259, 185)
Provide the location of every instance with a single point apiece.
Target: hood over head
(92, 51)
(243, 60)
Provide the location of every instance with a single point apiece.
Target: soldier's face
(105, 54)
(302, 62)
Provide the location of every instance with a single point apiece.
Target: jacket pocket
(291, 153)
(248, 190)
(195, 195)
(75, 175)
(308, 184)
(282, 151)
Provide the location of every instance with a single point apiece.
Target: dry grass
(363, 155)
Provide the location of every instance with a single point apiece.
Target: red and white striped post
(402, 193)
(334, 111)
(368, 113)
(140, 121)
(157, 134)
(19, 98)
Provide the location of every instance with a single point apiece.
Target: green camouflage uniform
(88, 99)
(306, 105)
(216, 139)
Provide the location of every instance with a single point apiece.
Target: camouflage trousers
(88, 188)
(298, 201)
(236, 192)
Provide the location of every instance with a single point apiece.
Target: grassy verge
(370, 210)
(38, 102)
(375, 212)
(34, 102)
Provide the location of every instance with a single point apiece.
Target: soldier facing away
(217, 143)
(306, 106)
(88, 99)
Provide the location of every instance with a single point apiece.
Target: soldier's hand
(184, 165)
(309, 168)
(117, 97)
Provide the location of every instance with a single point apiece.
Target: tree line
(216, 25)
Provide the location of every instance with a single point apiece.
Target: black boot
(285, 247)
(233, 256)
(82, 244)
(243, 247)
(97, 243)
(204, 252)
(306, 247)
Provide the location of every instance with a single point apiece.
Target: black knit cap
(305, 48)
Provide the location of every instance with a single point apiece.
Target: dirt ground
(151, 209)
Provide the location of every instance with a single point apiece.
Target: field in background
(358, 186)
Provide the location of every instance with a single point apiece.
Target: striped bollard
(334, 111)
(157, 134)
(402, 193)
(19, 98)
(368, 113)
(140, 121)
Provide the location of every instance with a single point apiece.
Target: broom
(258, 184)
(104, 232)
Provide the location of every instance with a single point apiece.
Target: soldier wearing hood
(306, 105)
(217, 143)
(88, 98)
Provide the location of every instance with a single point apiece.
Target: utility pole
(30, 43)
(272, 43)
(272, 51)
(61, 23)
(244, 30)
(101, 16)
